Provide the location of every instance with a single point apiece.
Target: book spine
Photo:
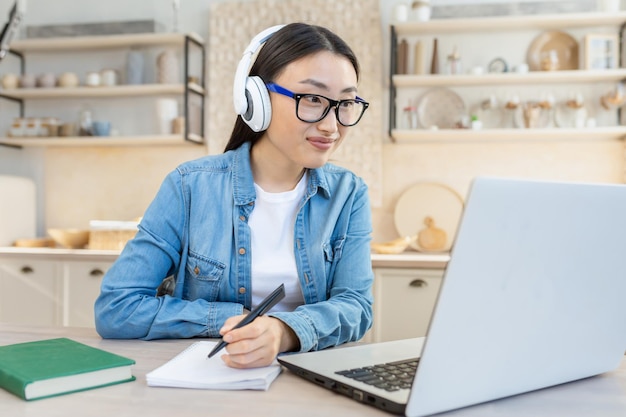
(12, 383)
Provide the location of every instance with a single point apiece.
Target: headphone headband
(239, 87)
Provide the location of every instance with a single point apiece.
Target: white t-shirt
(273, 262)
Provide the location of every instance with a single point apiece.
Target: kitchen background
(78, 184)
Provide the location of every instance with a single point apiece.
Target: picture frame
(601, 51)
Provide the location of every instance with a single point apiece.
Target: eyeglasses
(312, 108)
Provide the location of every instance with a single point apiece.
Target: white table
(288, 396)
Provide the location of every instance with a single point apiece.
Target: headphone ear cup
(259, 111)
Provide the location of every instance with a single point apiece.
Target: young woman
(228, 229)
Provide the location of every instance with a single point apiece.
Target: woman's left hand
(258, 343)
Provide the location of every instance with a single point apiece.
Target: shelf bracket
(20, 102)
(392, 87)
(13, 99)
(621, 63)
(191, 42)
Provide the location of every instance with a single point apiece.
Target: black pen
(269, 302)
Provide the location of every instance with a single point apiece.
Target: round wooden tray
(427, 199)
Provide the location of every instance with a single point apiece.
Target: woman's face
(309, 145)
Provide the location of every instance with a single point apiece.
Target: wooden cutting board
(431, 211)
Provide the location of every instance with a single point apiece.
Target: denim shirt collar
(243, 182)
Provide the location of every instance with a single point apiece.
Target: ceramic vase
(167, 67)
(167, 111)
(134, 67)
(434, 63)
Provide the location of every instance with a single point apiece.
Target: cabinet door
(82, 286)
(403, 302)
(30, 292)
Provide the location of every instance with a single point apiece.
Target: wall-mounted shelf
(101, 42)
(507, 135)
(147, 140)
(501, 24)
(90, 43)
(510, 78)
(88, 92)
(509, 23)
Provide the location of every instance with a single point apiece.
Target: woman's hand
(258, 343)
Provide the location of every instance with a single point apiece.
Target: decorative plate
(441, 108)
(565, 46)
(498, 65)
(424, 201)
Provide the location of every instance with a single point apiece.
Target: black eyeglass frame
(333, 103)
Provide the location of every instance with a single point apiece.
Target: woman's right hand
(257, 344)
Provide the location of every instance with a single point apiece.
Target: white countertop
(408, 259)
(411, 259)
(59, 254)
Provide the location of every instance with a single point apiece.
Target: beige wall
(455, 164)
(118, 183)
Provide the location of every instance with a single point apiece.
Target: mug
(33, 127)
(46, 80)
(522, 68)
(27, 81)
(68, 130)
(93, 79)
(101, 128)
(18, 127)
(108, 77)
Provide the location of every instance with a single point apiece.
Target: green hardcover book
(46, 368)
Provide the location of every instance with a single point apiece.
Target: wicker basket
(110, 235)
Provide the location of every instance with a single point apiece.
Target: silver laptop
(533, 296)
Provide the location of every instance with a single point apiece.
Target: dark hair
(292, 42)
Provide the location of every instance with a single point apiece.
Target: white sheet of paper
(193, 369)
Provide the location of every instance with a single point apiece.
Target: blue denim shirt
(197, 229)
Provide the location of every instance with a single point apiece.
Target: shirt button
(242, 251)
(242, 290)
(251, 203)
(242, 218)
(196, 270)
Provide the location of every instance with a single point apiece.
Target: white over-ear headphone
(250, 96)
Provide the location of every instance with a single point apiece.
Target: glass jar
(18, 127)
(453, 64)
(401, 12)
(420, 11)
(85, 124)
(409, 117)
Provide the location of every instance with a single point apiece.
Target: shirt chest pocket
(202, 278)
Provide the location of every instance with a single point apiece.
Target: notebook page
(193, 369)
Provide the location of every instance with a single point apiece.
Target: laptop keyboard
(392, 376)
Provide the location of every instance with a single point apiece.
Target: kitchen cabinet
(404, 299)
(59, 287)
(49, 292)
(505, 25)
(30, 292)
(81, 286)
(191, 89)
